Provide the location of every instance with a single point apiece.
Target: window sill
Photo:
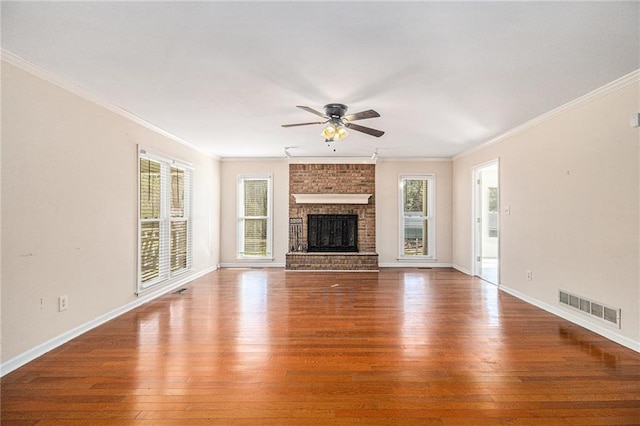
(417, 259)
(255, 259)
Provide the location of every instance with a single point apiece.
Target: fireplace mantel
(332, 198)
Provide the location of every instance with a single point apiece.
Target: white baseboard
(297, 271)
(33, 353)
(414, 265)
(461, 269)
(252, 265)
(576, 319)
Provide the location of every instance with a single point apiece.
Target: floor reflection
(253, 337)
(416, 322)
(594, 350)
(490, 305)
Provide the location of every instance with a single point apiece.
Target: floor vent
(596, 309)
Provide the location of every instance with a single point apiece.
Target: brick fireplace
(332, 189)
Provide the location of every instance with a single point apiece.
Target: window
(254, 216)
(164, 200)
(417, 224)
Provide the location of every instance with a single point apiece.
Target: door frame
(476, 238)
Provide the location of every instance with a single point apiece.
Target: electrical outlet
(63, 303)
(529, 275)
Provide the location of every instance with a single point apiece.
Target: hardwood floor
(261, 346)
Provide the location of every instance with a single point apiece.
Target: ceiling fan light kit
(334, 132)
(339, 122)
(341, 132)
(329, 132)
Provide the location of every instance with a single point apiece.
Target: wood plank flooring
(262, 346)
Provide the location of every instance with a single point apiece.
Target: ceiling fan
(334, 114)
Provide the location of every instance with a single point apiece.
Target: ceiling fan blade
(302, 124)
(361, 115)
(312, 111)
(367, 130)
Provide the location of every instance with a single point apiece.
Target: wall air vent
(595, 309)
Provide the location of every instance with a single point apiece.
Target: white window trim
(168, 276)
(431, 178)
(240, 208)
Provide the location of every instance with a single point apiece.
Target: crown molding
(240, 159)
(417, 159)
(24, 65)
(340, 160)
(331, 160)
(624, 81)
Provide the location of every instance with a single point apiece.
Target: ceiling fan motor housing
(335, 110)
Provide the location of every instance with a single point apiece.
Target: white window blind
(417, 224)
(254, 216)
(164, 219)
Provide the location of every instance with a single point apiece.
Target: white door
(486, 222)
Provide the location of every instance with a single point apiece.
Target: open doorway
(486, 222)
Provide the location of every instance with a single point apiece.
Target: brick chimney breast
(334, 179)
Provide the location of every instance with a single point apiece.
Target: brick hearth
(332, 261)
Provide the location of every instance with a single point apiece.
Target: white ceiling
(444, 76)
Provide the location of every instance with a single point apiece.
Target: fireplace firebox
(332, 233)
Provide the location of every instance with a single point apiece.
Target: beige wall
(386, 208)
(387, 172)
(69, 209)
(572, 184)
(279, 169)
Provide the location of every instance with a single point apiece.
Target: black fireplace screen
(332, 233)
